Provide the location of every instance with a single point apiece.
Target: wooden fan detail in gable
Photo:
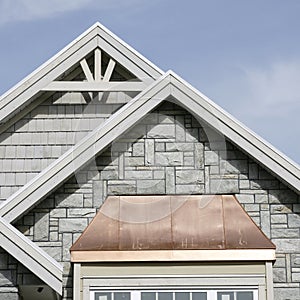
(98, 77)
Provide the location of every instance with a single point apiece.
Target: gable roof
(168, 223)
(126, 117)
(162, 87)
(97, 36)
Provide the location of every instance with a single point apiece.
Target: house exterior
(120, 181)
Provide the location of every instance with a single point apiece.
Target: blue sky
(244, 55)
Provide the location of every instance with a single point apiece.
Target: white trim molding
(174, 255)
(203, 283)
(125, 118)
(73, 86)
(95, 37)
(31, 256)
(47, 181)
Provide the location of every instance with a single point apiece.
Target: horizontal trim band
(83, 86)
(174, 255)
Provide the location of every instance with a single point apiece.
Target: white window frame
(84, 283)
(178, 283)
(212, 292)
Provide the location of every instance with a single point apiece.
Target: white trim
(262, 292)
(22, 113)
(174, 255)
(256, 148)
(76, 281)
(130, 52)
(269, 280)
(234, 123)
(86, 70)
(211, 293)
(25, 94)
(165, 281)
(125, 118)
(109, 70)
(96, 36)
(31, 256)
(88, 86)
(53, 60)
(182, 281)
(97, 65)
(46, 181)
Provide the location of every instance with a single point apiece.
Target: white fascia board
(85, 86)
(238, 140)
(31, 256)
(24, 93)
(130, 52)
(251, 143)
(125, 118)
(65, 166)
(48, 65)
(232, 121)
(174, 255)
(96, 36)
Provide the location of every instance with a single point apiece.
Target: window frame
(212, 292)
(96, 276)
(178, 283)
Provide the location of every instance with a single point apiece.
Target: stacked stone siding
(168, 152)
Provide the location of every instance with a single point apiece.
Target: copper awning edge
(214, 222)
(174, 255)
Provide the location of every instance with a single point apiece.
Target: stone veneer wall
(168, 152)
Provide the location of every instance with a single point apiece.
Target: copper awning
(192, 222)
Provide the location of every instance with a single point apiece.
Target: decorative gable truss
(94, 65)
(97, 61)
(114, 77)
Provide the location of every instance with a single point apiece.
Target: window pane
(121, 296)
(102, 296)
(199, 296)
(148, 296)
(182, 296)
(165, 296)
(244, 295)
(225, 296)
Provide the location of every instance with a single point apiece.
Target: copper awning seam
(179, 222)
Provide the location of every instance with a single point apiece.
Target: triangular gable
(48, 77)
(169, 85)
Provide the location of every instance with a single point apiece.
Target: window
(166, 281)
(211, 294)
